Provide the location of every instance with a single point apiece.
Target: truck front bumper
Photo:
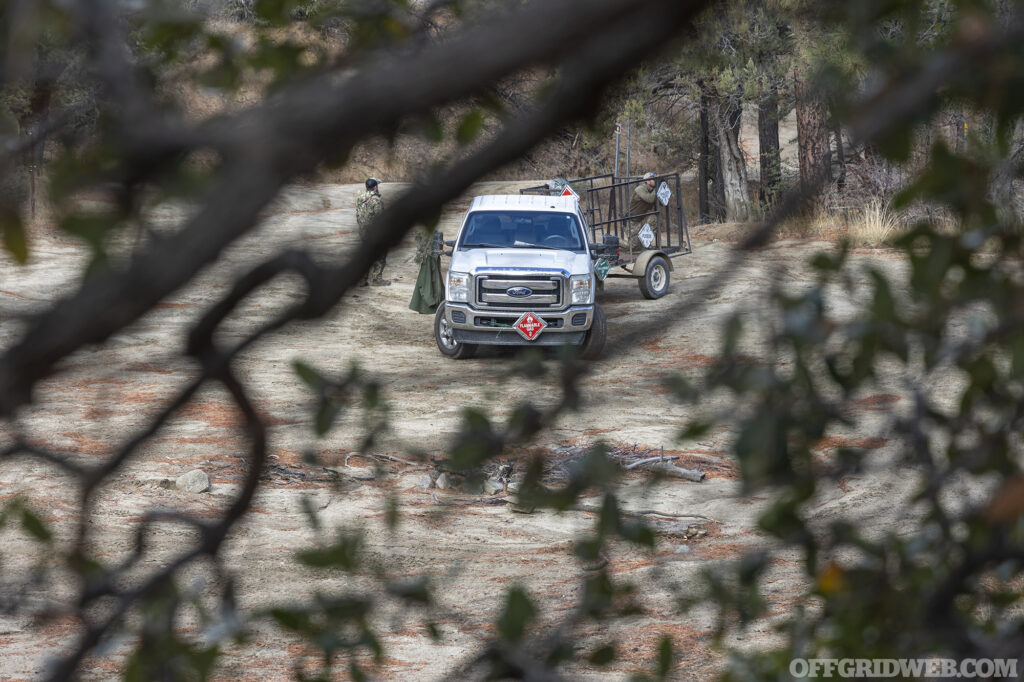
(494, 328)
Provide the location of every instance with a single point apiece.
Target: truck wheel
(445, 337)
(654, 283)
(593, 342)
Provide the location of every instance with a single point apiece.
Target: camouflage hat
(650, 176)
(371, 183)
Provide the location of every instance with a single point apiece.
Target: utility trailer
(605, 201)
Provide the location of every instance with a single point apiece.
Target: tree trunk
(704, 177)
(716, 184)
(841, 153)
(1001, 190)
(768, 142)
(812, 135)
(734, 168)
(718, 187)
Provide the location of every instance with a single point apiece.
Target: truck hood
(517, 259)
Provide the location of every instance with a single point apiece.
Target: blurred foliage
(946, 582)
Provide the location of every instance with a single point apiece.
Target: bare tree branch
(297, 130)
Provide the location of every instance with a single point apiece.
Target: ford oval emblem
(519, 292)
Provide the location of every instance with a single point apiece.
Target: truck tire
(593, 342)
(445, 339)
(654, 283)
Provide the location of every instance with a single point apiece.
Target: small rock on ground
(444, 481)
(195, 481)
(425, 482)
(491, 486)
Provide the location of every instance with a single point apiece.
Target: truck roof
(523, 202)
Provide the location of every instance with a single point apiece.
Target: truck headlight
(458, 287)
(579, 289)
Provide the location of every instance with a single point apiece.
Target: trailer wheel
(654, 283)
(444, 335)
(593, 342)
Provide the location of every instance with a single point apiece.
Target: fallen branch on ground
(642, 512)
(641, 462)
(672, 470)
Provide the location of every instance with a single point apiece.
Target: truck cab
(521, 274)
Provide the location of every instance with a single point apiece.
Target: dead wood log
(672, 470)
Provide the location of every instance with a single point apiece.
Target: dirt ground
(475, 550)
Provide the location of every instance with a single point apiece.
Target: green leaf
(469, 127)
(392, 512)
(311, 516)
(356, 672)
(414, 590)
(344, 554)
(638, 532)
(608, 519)
(273, 11)
(524, 422)
(433, 129)
(598, 592)
(588, 549)
(222, 76)
(34, 526)
(602, 655)
(92, 229)
(665, 657)
(694, 430)
(309, 375)
(204, 660)
(519, 611)
(296, 621)
(476, 442)
(373, 397)
(15, 238)
(326, 414)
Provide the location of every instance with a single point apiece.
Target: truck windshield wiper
(527, 245)
(486, 246)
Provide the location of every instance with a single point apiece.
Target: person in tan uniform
(643, 201)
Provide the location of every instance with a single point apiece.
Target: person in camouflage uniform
(368, 206)
(644, 198)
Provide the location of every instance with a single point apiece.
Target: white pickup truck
(521, 274)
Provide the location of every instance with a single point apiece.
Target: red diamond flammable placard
(529, 326)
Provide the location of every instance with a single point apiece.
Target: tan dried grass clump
(873, 223)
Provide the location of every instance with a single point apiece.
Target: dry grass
(872, 223)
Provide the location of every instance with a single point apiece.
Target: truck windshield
(523, 230)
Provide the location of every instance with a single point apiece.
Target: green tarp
(429, 291)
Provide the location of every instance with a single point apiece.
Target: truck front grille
(545, 292)
(505, 322)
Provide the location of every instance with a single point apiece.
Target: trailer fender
(640, 265)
